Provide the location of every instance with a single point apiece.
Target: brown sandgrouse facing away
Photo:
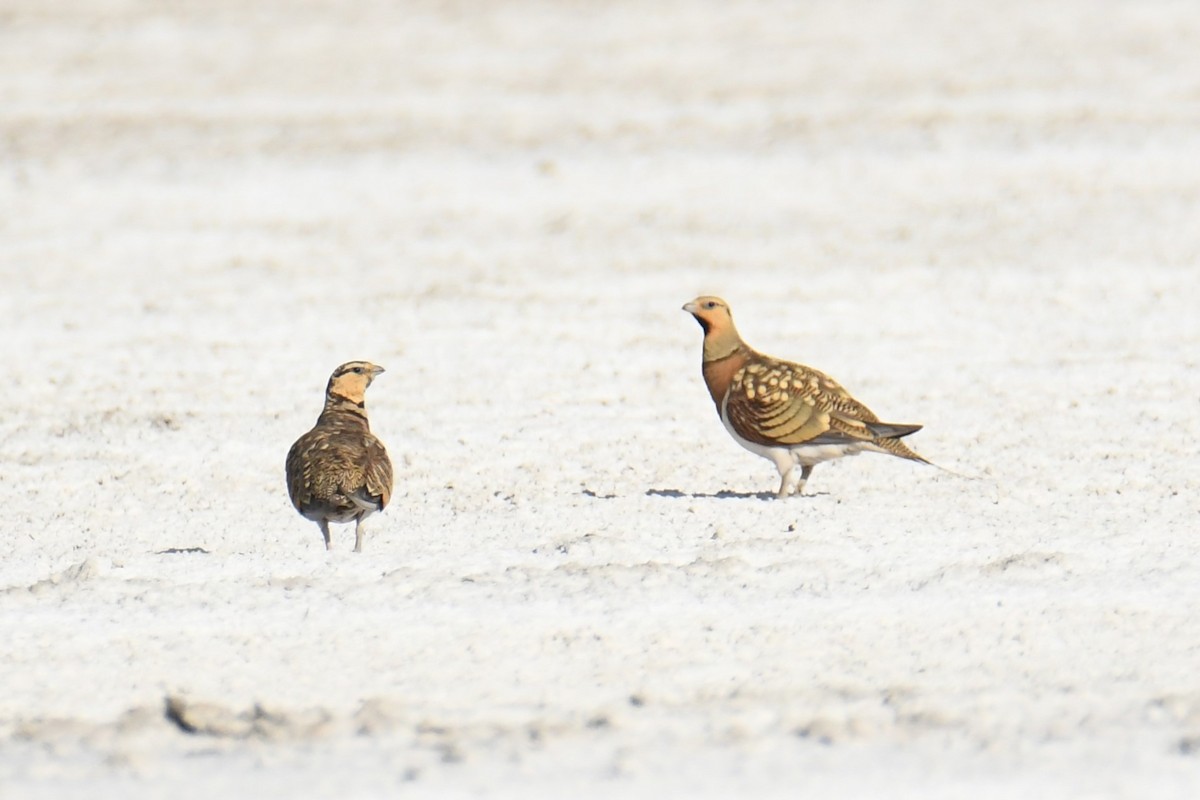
(339, 471)
(790, 414)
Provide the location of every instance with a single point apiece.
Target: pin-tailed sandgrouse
(339, 471)
(790, 414)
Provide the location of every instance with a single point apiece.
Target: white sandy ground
(982, 217)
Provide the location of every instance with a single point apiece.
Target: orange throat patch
(718, 374)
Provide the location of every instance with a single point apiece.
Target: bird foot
(791, 491)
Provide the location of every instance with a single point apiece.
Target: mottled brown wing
(330, 463)
(297, 469)
(775, 403)
(378, 471)
(324, 467)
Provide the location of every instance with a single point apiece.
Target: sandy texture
(983, 217)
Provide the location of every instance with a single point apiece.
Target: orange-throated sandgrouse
(339, 471)
(790, 414)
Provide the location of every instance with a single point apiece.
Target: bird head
(711, 312)
(350, 381)
(720, 336)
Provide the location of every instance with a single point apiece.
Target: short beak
(377, 370)
(690, 308)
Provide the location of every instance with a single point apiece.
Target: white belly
(806, 455)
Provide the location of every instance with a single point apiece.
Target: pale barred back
(335, 465)
(774, 406)
(777, 403)
(774, 381)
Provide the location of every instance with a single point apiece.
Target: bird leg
(359, 533)
(805, 471)
(324, 523)
(786, 485)
(786, 466)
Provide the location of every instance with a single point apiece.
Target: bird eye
(358, 370)
(710, 304)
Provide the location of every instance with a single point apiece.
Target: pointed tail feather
(899, 448)
(891, 430)
(889, 440)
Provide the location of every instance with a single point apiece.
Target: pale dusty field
(983, 217)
